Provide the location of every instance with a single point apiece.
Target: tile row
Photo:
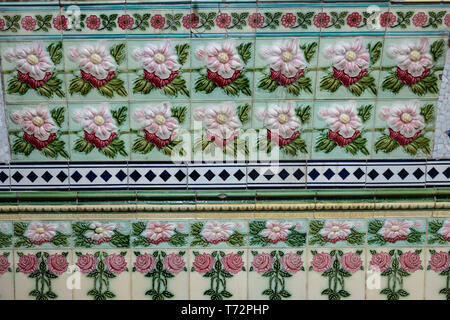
(217, 274)
(311, 174)
(225, 234)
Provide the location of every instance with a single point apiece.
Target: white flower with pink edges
(343, 121)
(159, 126)
(221, 123)
(157, 232)
(445, 230)
(215, 231)
(281, 123)
(160, 63)
(334, 231)
(394, 230)
(276, 231)
(222, 62)
(413, 60)
(350, 60)
(404, 121)
(287, 61)
(100, 232)
(39, 233)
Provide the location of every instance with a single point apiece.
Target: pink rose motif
(86, 263)
(321, 262)
(439, 261)
(28, 23)
(28, 263)
(354, 19)
(288, 20)
(351, 262)
(4, 264)
(223, 20)
(116, 263)
(387, 19)
(57, 263)
(145, 263)
(190, 21)
(93, 22)
(262, 262)
(232, 262)
(125, 21)
(410, 261)
(447, 20)
(256, 20)
(291, 262)
(2, 24)
(321, 20)
(203, 263)
(158, 21)
(381, 261)
(174, 263)
(419, 19)
(60, 22)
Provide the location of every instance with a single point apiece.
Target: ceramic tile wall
(388, 258)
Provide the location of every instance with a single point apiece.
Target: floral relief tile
(437, 274)
(277, 233)
(438, 232)
(90, 22)
(42, 275)
(30, 22)
(38, 132)
(6, 234)
(418, 19)
(160, 275)
(395, 274)
(96, 70)
(412, 67)
(99, 131)
(336, 273)
(6, 275)
(32, 70)
(337, 233)
(218, 233)
(218, 274)
(42, 234)
(161, 234)
(396, 232)
(306, 17)
(105, 274)
(276, 274)
(101, 234)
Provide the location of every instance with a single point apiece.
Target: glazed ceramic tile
(42, 234)
(158, 175)
(218, 274)
(105, 274)
(332, 174)
(396, 232)
(276, 274)
(42, 275)
(437, 173)
(219, 234)
(231, 176)
(431, 18)
(437, 274)
(5, 182)
(160, 275)
(161, 234)
(337, 274)
(101, 234)
(337, 233)
(438, 232)
(395, 274)
(6, 275)
(106, 176)
(6, 234)
(277, 233)
(395, 173)
(33, 21)
(263, 175)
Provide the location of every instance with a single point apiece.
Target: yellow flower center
(217, 230)
(159, 58)
(40, 230)
(282, 118)
(344, 118)
(395, 228)
(406, 117)
(38, 121)
(158, 230)
(99, 230)
(335, 229)
(350, 56)
(159, 119)
(99, 120)
(415, 55)
(286, 56)
(223, 57)
(222, 118)
(32, 59)
(95, 58)
(276, 229)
